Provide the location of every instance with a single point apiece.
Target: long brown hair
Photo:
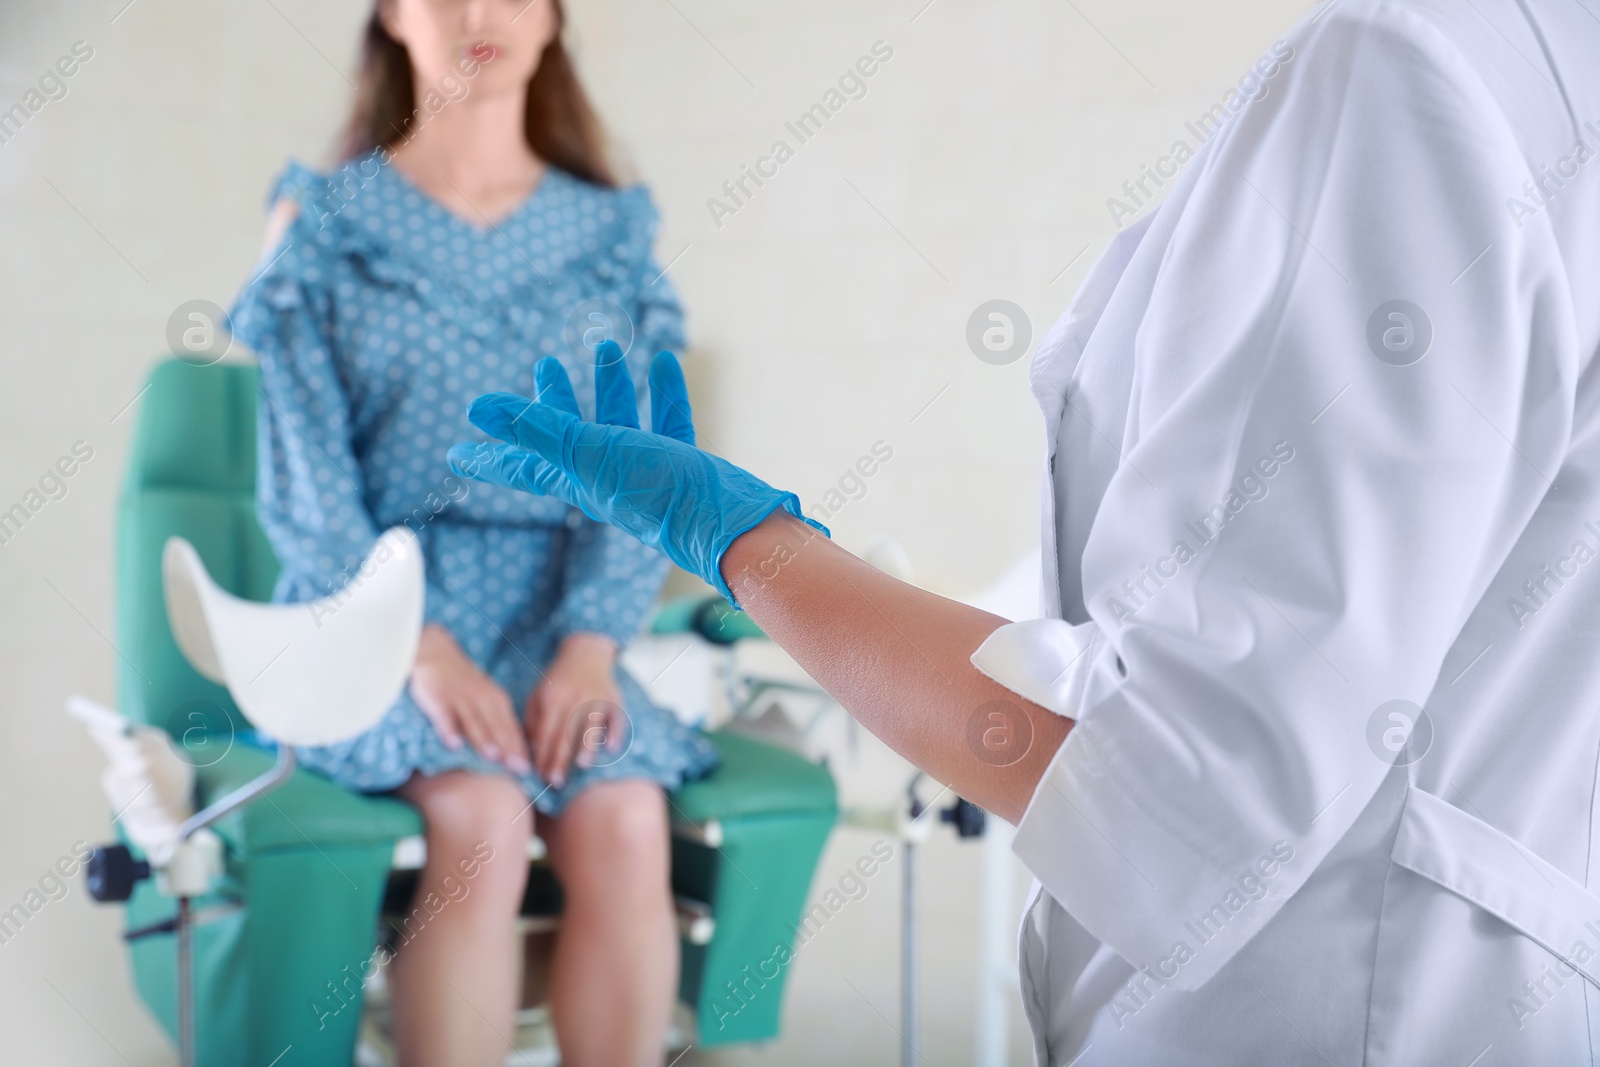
(559, 122)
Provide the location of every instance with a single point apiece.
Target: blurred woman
(473, 227)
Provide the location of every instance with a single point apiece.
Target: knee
(616, 839)
(477, 825)
(628, 825)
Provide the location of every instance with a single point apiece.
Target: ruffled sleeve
(311, 496)
(612, 581)
(658, 316)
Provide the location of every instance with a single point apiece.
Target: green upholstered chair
(307, 867)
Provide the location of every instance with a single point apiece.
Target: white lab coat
(1265, 534)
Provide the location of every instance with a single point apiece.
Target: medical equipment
(676, 498)
(340, 663)
(312, 673)
(912, 829)
(149, 784)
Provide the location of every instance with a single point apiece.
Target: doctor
(1304, 757)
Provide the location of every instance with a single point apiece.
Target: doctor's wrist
(756, 557)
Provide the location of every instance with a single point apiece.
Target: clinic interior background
(827, 313)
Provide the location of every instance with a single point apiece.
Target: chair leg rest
(282, 972)
(757, 882)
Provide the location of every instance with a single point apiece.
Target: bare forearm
(898, 659)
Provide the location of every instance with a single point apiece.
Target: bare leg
(455, 977)
(614, 978)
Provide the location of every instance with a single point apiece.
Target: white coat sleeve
(1304, 516)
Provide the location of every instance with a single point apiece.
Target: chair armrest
(307, 811)
(755, 779)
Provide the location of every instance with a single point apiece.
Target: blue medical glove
(684, 502)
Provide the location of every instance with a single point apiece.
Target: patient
(471, 228)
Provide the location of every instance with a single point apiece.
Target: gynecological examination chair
(309, 869)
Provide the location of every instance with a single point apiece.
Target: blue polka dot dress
(376, 319)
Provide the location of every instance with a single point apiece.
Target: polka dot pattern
(376, 320)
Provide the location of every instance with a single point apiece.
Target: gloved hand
(658, 486)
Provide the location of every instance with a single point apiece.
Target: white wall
(825, 314)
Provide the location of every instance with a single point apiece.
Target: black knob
(112, 872)
(965, 816)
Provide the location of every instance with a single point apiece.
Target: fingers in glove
(538, 427)
(614, 401)
(554, 387)
(498, 464)
(493, 462)
(669, 399)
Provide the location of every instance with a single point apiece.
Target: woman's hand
(459, 699)
(577, 708)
